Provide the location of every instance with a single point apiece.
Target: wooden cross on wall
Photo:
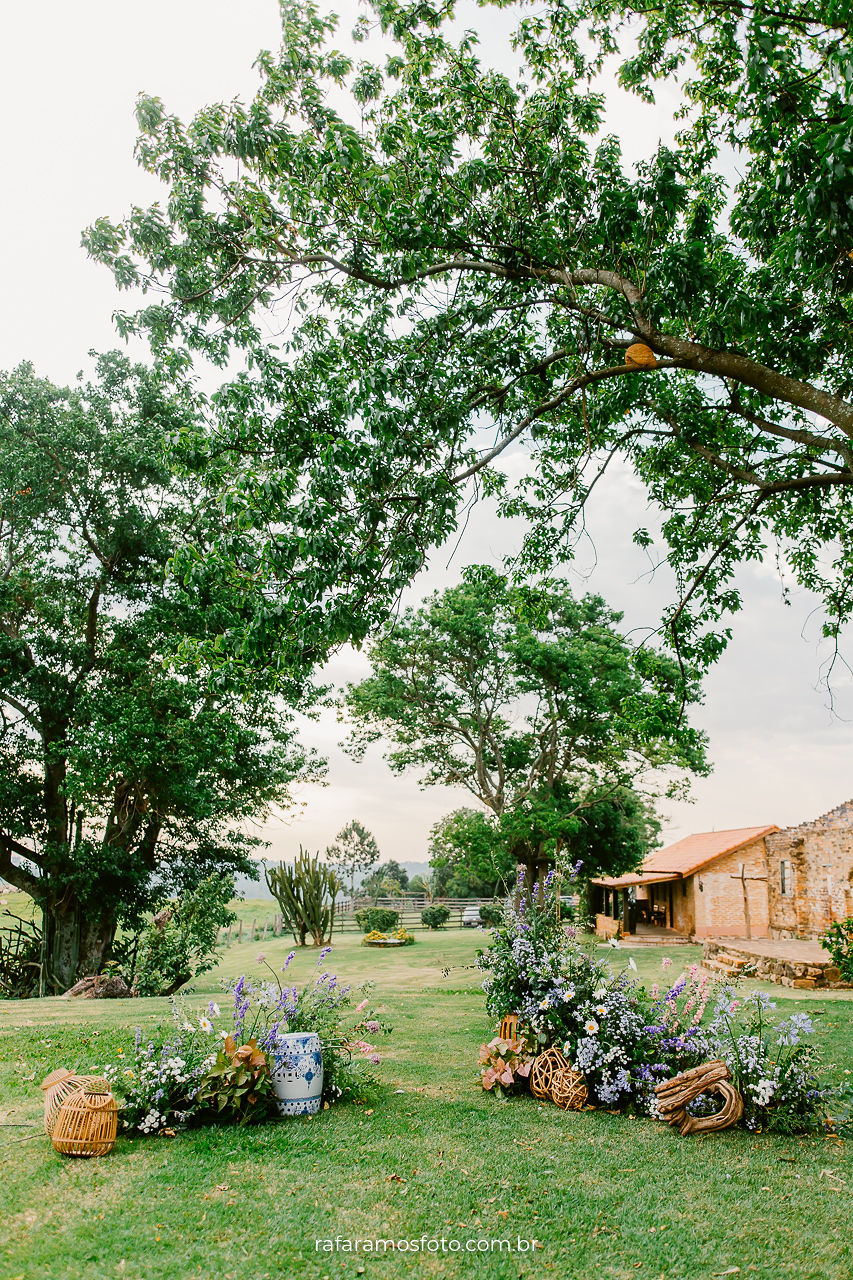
(743, 877)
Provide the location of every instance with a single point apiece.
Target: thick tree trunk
(77, 941)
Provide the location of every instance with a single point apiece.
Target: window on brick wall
(786, 879)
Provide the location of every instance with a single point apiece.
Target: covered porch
(638, 906)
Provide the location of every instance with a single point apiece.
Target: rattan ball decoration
(86, 1123)
(58, 1086)
(569, 1090)
(545, 1067)
(639, 356)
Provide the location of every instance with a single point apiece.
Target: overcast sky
(69, 75)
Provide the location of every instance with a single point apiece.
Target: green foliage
(838, 941)
(532, 701)
(491, 914)
(435, 917)
(389, 880)
(181, 940)
(20, 957)
(471, 251)
(469, 857)
(354, 850)
(378, 919)
(126, 769)
(305, 891)
(238, 1086)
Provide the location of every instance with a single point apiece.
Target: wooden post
(240, 932)
(743, 877)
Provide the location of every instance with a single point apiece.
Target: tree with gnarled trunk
(447, 249)
(121, 776)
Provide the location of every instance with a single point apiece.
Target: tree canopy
(125, 772)
(534, 703)
(454, 258)
(353, 851)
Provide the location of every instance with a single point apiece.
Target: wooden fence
(408, 909)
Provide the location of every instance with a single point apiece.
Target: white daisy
(590, 1026)
(205, 1024)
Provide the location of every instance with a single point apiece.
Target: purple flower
(287, 961)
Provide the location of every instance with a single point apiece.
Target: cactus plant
(305, 891)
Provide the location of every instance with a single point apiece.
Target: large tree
(447, 249)
(126, 772)
(535, 704)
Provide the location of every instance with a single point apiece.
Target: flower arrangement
(625, 1040)
(771, 1064)
(399, 938)
(214, 1065)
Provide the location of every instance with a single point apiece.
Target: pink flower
(665, 963)
(359, 1007)
(375, 1059)
(261, 958)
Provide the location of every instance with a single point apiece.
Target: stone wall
(818, 875)
(788, 971)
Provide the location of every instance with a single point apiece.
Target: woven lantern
(86, 1123)
(639, 356)
(58, 1086)
(545, 1067)
(569, 1090)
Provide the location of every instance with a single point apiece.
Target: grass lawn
(603, 1195)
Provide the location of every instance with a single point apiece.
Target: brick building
(750, 882)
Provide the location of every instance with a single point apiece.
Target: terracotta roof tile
(688, 855)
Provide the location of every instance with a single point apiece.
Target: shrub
(380, 919)
(838, 941)
(180, 942)
(491, 914)
(435, 917)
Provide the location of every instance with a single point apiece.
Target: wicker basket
(545, 1066)
(58, 1086)
(508, 1029)
(568, 1089)
(86, 1123)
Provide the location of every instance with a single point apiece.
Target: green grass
(606, 1196)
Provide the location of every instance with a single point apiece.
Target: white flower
(615, 944)
(601, 1009)
(223, 1035)
(213, 1008)
(205, 1024)
(570, 993)
(632, 963)
(545, 1004)
(590, 1026)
